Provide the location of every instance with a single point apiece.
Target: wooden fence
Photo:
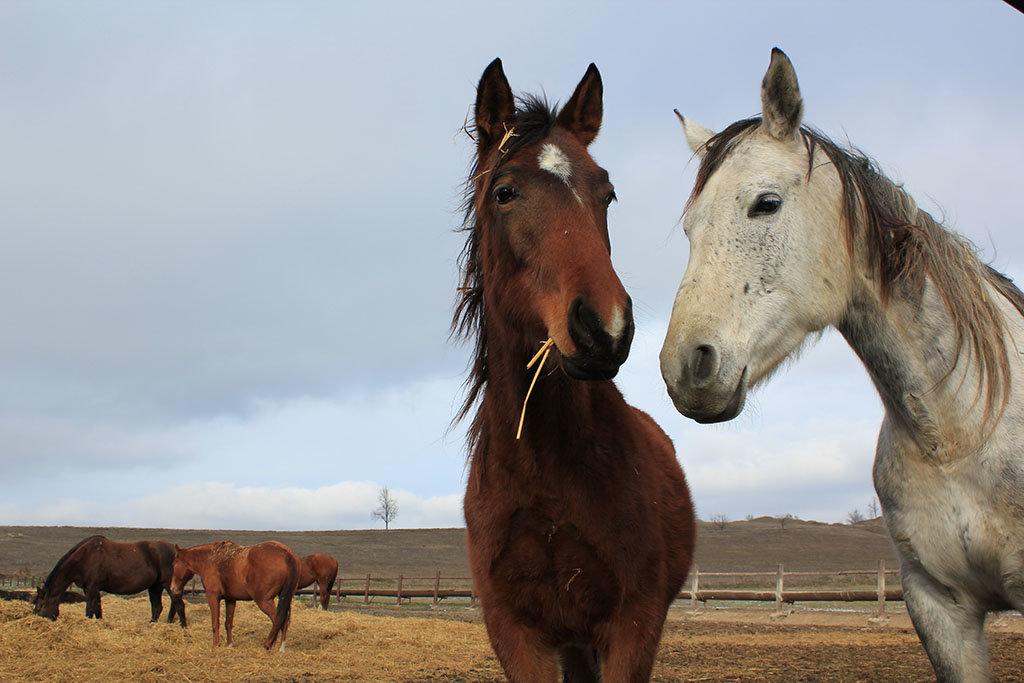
(435, 588)
(780, 596)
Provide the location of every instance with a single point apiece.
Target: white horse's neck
(909, 348)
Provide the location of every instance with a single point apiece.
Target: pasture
(450, 644)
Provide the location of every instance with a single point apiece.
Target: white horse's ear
(697, 136)
(781, 104)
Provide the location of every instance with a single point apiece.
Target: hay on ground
(321, 646)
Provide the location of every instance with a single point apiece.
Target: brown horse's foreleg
(522, 653)
(93, 607)
(177, 609)
(156, 604)
(213, 599)
(632, 641)
(229, 617)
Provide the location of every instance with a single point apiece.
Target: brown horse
(235, 572)
(99, 564)
(580, 534)
(319, 568)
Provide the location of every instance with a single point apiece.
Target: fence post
(366, 591)
(401, 577)
(694, 586)
(778, 590)
(881, 588)
(437, 586)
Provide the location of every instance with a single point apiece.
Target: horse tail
(329, 579)
(284, 598)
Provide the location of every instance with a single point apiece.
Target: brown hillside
(756, 545)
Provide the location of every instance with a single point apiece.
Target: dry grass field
(414, 643)
(451, 645)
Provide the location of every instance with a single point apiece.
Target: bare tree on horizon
(781, 519)
(388, 508)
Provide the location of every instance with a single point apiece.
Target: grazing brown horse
(236, 572)
(580, 534)
(319, 568)
(99, 564)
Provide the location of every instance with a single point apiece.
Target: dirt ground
(450, 644)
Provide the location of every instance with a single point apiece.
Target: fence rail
(418, 587)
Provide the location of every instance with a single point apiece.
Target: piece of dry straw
(509, 133)
(542, 353)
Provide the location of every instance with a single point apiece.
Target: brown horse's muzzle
(600, 348)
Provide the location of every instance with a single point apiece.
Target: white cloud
(213, 505)
(804, 443)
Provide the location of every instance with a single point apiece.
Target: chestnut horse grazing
(790, 233)
(99, 564)
(235, 572)
(580, 533)
(321, 569)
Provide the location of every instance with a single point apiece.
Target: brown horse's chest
(551, 573)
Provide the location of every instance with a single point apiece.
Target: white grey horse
(789, 234)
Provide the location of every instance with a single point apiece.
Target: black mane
(532, 122)
(64, 558)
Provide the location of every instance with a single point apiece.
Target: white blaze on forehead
(553, 160)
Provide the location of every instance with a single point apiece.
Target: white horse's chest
(954, 520)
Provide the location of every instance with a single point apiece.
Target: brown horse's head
(539, 256)
(182, 571)
(46, 604)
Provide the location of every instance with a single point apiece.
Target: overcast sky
(229, 243)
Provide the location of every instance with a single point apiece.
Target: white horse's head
(769, 263)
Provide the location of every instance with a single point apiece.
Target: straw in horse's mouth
(542, 353)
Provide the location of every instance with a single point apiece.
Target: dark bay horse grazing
(235, 572)
(580, 533)
(320, 569)
(790, 233)
(99, 564)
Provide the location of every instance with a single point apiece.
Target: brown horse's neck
(60, 579)
(562, 413)
(67, 569)
(198, 558)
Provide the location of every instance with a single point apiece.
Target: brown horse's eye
(503, 194)
(609, 198)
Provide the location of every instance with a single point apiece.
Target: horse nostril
(703, 363)
(584, 324)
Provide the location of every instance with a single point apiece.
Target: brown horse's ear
(177, 548)
(781, 104)
(495, 105)
(582, 113)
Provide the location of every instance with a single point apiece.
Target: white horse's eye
(766, 204)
